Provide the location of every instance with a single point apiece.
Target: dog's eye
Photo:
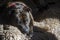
(17, 3)
(20, 11)
(27, 9)
(20, 22)
(13, 11)
(26, 19)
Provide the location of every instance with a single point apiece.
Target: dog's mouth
(11, 4)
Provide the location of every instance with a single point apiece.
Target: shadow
(42, 34)
(3, 15)
(52, 12)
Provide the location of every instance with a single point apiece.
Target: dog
(23, 16)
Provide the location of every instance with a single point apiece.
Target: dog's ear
(31, 24)
(31, 19)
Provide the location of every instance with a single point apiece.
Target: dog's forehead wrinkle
(20, 3)
(19, 8)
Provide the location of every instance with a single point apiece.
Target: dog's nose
(27, 29)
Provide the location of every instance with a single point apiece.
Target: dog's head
(23, 15)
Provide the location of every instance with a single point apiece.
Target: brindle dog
(23, 16)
